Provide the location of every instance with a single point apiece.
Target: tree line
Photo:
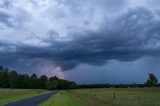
(151, 81)
(12, 79)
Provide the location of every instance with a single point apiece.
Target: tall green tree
(23, 81)
(52, 83)
(13, 76)
(33, 81)
(42, 82)
(1, 71)
(152, 80)
(4, 78)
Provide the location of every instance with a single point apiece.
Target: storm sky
(88, 41)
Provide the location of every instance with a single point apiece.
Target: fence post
(114, 95)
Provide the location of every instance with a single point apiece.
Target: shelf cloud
(69, 33)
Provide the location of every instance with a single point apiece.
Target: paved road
(34, 101)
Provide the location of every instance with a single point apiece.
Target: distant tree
(34, 76)
(4, 78)
(55, 83)
(1, 68)
(64, 84)
(13, 76)
(23, 81)
(52, 83)
(152, 80)
(1, 71)
(33, 81)
(42, 82)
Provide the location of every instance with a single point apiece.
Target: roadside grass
(8, 95)
(123, 97)
(62, 98)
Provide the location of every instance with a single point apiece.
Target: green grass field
(63, 98)
(7, 95)
(124, 97)
(105, 97)
(89, 97)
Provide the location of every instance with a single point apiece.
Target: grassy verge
(63, 98)
(7, 95)
(124, 97)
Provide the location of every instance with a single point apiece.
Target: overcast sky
(88, 41)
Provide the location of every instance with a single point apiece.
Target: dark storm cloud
(5, 18)
(111, 5)
(67, 33)
(155, 2)
(5, 3)
(132, 35)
